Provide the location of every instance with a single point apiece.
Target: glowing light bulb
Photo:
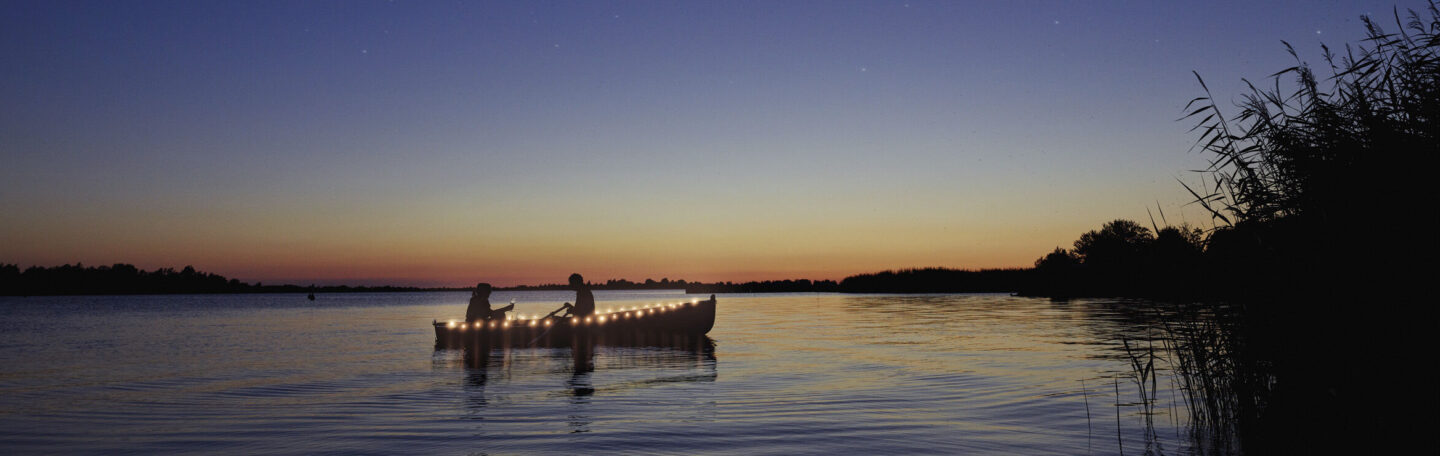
(547, 322)
(602, 319)
(452, 324)
(532, 322)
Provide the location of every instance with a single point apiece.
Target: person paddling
(584, 300)
(479, 308)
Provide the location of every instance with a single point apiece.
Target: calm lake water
(780, 374)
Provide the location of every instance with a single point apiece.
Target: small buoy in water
(311, 297)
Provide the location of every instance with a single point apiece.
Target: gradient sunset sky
(445, 143)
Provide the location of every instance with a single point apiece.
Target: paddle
(547, 330)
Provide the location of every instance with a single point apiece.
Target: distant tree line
(115, 279)
(938, 280)
(121, 278)
(612, 284)
(766, 286)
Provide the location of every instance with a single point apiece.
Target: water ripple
(783, 374)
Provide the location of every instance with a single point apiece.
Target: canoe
(632, 325)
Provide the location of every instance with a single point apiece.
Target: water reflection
(805, 373)
(1168, 366)
(673, 351)
(577, 378)
(475, 398)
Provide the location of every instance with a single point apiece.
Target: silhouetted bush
(1312, 182)
(1318, 190)
(1122, 258)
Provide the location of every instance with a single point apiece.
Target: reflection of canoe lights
(611, 314)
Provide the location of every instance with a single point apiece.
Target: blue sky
(442, 142)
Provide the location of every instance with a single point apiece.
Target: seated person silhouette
(584, 300)
(480, 305)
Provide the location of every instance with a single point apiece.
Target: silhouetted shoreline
(126, 279)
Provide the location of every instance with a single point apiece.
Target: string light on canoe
(547, 322)
(452, 324)
(532, 323)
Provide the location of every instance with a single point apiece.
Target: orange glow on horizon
(413, 246)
